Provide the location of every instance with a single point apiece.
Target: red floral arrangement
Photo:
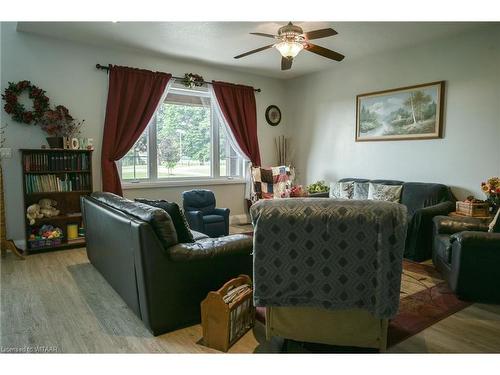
(17, 110)
(59, 123)
(295, 192)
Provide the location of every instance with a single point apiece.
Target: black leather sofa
(134, 246)
(468, 257)
(423, 201)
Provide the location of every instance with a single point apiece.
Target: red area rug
(419, 310)
(422, 309)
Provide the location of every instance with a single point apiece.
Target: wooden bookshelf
(61, 175)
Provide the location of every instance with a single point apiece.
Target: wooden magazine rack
(228, 313)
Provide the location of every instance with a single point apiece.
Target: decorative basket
(473, 209)
(38, 244)
(228, 313)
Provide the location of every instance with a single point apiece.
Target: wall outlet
(6, 153)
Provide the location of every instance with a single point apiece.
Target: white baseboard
(239, 219)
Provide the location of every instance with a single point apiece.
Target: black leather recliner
(135, 247)
(202, 215)
(423, 201)
(468, 257)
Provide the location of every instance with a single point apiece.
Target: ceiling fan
(291, 40)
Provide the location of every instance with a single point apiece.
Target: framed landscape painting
(414, 112)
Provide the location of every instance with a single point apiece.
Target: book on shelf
(55, 161)
(64, 182)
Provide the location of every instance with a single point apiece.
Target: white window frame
(214, 179)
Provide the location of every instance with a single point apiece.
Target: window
(184, 141)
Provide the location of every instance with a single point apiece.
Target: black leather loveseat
(135, 247)
(423, 201)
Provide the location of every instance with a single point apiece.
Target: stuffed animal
(33, 213)
(46, 207)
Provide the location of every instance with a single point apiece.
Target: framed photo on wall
(414, 112)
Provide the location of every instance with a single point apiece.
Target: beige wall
(67, 72)
(323, 113)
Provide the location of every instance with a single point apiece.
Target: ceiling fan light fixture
(289, 48)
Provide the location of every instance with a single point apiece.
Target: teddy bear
(33, 213)
(47, 207)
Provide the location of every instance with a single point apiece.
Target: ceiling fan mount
(291, 39)
(290, 30)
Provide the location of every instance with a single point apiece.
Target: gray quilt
(334, 254)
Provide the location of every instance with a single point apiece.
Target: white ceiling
(217, 42)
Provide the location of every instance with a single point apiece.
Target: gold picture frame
(405, 113)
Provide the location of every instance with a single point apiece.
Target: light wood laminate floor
(58, 302)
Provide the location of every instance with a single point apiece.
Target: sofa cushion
(342, 190)
(388, 182)
(207, 248)
(382, 192)
(178, 218)
(360, 190)
(351, 179)
(159, 219)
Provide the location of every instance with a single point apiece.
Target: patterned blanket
(329, 253)
(269, 183)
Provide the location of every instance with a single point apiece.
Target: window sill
(180, 183)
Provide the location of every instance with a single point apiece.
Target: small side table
(480, 219)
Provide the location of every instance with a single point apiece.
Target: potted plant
(318, 189)
(59, 124)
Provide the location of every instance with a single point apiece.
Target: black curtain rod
(103, 67)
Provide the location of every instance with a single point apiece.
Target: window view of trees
(183, 141)
(135, 163)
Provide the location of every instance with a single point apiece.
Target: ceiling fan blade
(325, 52)
(322, 33)
(254, 51)
(286, 63)
(266, 35)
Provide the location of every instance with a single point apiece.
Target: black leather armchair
(468, 257)
(203, 216)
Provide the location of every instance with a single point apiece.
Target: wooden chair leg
(10, 245)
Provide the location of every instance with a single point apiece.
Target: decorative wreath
(17, 110)
(192, 80)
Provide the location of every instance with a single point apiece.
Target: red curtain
(237, 103)
(133, 96)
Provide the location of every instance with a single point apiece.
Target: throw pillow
(495, 224)
(342, 190)
(361, 190)
(184, 235)
(380, 192)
